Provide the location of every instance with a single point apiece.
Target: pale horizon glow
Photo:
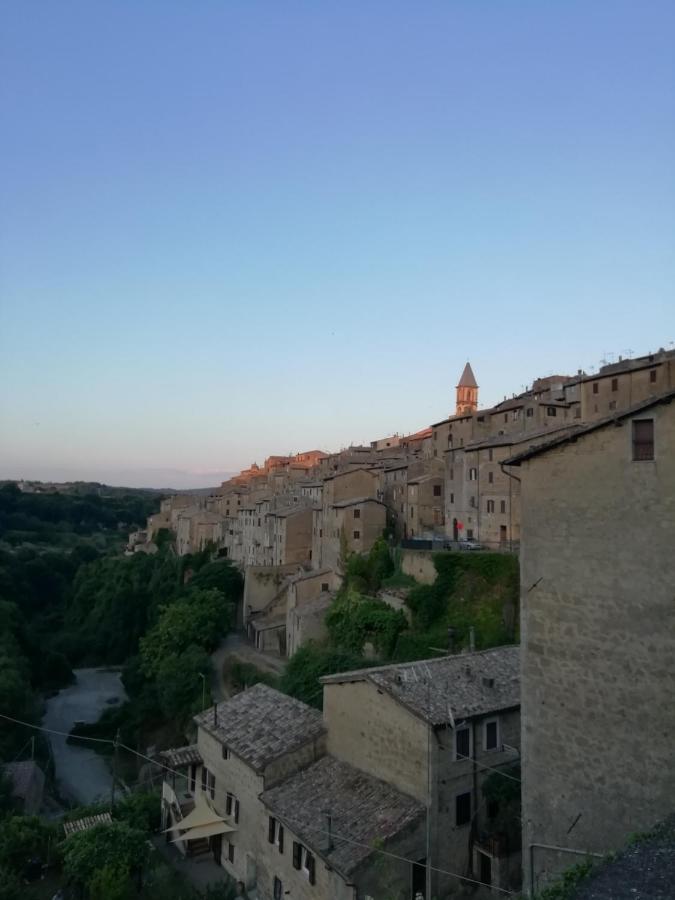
(236, 230)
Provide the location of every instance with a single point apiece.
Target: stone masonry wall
(598, 638)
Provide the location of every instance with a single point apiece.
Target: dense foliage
(59, 519)
(354, 620)
(118, 847)
(311, 662)
(478, 590)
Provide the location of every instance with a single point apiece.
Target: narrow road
(236, 646)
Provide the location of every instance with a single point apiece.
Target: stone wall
(419, 564)
(598, 638)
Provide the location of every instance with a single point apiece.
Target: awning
(205, 831)
(203, 821)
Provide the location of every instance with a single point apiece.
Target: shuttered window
(643, 439)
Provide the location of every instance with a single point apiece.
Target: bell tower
(467, 392)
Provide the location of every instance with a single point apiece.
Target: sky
(230, 229)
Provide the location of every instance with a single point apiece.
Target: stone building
(277, 813)
(598, 633)
(435, 730)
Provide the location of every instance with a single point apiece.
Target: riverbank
(81, 775)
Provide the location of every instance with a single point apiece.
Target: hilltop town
(424, 760)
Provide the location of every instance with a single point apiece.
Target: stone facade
(598, 635)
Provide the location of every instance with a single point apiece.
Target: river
(82, 775)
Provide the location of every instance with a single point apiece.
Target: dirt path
(235, 646)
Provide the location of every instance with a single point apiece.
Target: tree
(310, 663)
(112, 882)
(198, 618)
(23, 838)
(117, 846)
(179, 685)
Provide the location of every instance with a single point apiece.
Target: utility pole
(114, 770)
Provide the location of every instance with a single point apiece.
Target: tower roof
(468, 379)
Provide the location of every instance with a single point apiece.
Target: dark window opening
(437, 490)
(357, 535)
(463, 809)
(615, 384)
(357, 513)
(462, 743)
(643, 439)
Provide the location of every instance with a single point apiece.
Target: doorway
(419, 879)
(502, 534)
(485, 864)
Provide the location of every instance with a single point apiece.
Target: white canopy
(202, 822)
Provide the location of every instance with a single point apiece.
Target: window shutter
(297, 850)
(204, 777)
(311, 868)
(236, 811)
(281, 838)
(270, 831)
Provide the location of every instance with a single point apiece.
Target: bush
(354, 619)
(309, 664)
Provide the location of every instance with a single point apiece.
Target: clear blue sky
(234, 228)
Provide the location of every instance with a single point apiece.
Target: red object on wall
(460, 525)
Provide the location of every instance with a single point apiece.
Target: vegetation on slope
(478, 590)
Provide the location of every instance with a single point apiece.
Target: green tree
(179, 686)
(112, 882)
(200, 618)
(117, 846)
(312, 662)
(21, 839)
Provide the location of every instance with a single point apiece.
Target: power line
(368, 847)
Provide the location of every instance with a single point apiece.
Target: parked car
(470, 545)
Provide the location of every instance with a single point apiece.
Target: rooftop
(468, 379)
(261, 724)
(182, 756)
(24, 775)
(451, 688)
(362, 807)
(573, 435)
(341, 504)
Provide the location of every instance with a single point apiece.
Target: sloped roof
(468, 379)
(573, 436)
(261, 724)
(182, 756)
(453, 687)
(362, 808)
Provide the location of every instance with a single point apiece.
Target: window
(481, 418)
(615, 384)
(212, 785)
(437, 490)
(472, 501)
(452, 498)
(463, 809)
(230, 852)
(452, 474)
(612, 404)
(278, 891)
(320, 532)
(473, 474)
(225, 752)
(491, 477)
(529, 412)
(652, 376)
(595, 387)
(551, 411)
(516, 415)
(462, 743)
(491, 734)
(412, 512)
(502, 506)
(275, 834)
(357, 513)
(303, 860)
(506, 417)
(643, 439)
(232, 807)
(490, 455)
(324, 585)
(490, 506)
(205, 778)
(357, 535)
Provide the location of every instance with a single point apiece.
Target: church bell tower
(467, 392)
